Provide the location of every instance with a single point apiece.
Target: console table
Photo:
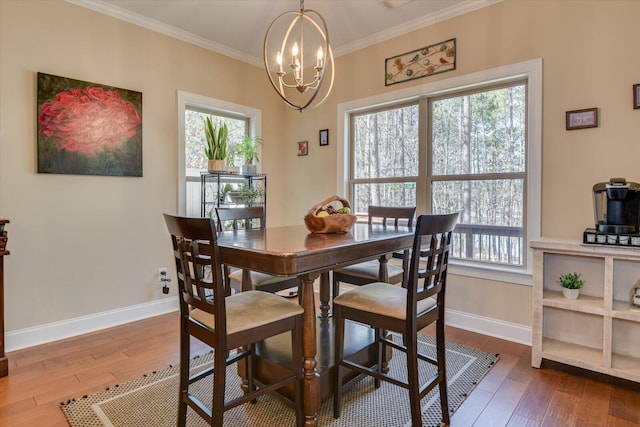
(4, 363)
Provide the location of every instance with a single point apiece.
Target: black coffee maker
(617, 206)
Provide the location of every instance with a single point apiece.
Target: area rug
(150, 401)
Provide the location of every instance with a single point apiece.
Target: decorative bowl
(334, 223)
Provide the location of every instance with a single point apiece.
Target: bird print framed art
(427, 61)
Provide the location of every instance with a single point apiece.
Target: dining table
(294, 251)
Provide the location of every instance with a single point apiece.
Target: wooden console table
(4, 363)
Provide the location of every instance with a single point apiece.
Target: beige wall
(82, 245)
(86, 244)
(589, 51)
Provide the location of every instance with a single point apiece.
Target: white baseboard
(28, 337)
(489, 326)
(36, 335)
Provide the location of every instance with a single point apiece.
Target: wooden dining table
(294, 251)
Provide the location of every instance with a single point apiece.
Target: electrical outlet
(162, 274)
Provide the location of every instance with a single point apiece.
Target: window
(477, 167)
(470, 144)
(192, 109)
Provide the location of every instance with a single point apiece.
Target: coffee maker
(616, 207)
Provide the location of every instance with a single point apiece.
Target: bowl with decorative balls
(332, 215)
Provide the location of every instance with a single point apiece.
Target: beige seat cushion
(370, 269)
(381, 298)
(250, 309)
(258, 279)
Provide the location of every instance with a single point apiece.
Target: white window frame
(216, 106)
(531, 71)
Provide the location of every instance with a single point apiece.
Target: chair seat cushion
(258, 279)
(381, 298)
(248, 310)
(370, 269)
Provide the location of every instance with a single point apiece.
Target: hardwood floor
(512, 394)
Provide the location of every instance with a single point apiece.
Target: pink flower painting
(86, 128)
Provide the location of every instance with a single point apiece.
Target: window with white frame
(463, 150)
(192, 110)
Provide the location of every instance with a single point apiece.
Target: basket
(335, 223)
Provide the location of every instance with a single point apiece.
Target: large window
(460, 150)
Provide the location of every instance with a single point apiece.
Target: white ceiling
(236, 27)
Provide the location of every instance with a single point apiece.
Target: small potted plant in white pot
(216, 148)
(571, 284)
(248, 150)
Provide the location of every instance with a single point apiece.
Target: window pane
(491, 218)
(480, 133)
(386, 143)
(389, 194)
(195, 140)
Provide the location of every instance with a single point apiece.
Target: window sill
(491, 272)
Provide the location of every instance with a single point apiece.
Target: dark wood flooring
(512, 394)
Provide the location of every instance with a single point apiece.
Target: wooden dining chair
(370, 271)
(405, 311)
(230, 325)
(251, 218)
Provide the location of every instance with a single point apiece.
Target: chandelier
(298, 58)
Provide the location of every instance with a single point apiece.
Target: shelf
(600, 330)
(584, 304)
(572, 354)
(624, 310)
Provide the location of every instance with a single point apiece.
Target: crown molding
(407, 27)
(157, 26)
(416, 24)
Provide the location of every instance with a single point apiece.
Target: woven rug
(151, 401)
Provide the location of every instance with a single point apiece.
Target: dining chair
(248, 218)
(370, 271)
(405, 311)
(230, 325)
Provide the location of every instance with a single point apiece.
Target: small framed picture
(636, 98)
(324, 137)
(581, 119)
(303, 148)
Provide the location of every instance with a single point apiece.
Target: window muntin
(403, 193)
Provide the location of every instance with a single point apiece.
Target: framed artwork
(427, 61)
(581, 119)
(88, 128)
(636, 96)
(324, 137)
(303, 148)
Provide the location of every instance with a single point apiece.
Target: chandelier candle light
(286, 50)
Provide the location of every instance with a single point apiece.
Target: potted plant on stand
(248, 150)
(571, 284)
(216, 148)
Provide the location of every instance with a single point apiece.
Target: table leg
(324, 296)
(311, 380)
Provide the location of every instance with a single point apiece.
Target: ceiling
(236, 28)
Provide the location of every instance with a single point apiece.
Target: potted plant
(571, 284)
(248, 150)
(216, 148)
(245, 196)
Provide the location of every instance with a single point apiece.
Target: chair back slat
(198, 267)
(431, 252)
(241, 218)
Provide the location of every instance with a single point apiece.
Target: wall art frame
(303, 148)
(87, 128)
(636, 96)
(427, 61)
(324, 137)
(582, 119)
